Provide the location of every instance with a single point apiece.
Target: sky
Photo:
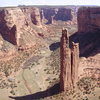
(48, 2)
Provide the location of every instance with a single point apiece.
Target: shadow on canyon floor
(54, 46)
(49, 92)
(89, 43)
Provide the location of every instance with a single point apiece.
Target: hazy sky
(48, 2)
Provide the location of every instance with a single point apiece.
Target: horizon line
(47, 5)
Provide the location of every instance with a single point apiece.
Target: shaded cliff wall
(63, 14)
(88, 19)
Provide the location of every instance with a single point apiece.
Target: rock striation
(69, 62)
(88, 19)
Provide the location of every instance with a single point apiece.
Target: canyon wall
(17, 25)
(88, 19)
(69, 63)
(88, 38)
(62, 14)
(22, 26)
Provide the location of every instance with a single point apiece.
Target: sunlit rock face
(16, 25)
(88, 19)
(35, 16)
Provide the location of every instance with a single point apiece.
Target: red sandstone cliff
(88, 19)
(88, 38)
(16, 25)
(62, 14)
(19, 27)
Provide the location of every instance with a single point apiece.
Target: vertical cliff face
(7, 26)
(35, 16)
(16, 25)
(48, 12)
(69, 63)
(88, 19)
(64, 14)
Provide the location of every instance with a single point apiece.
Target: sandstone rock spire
(69, 62)
(51, 20)
(65, 76)
(75, 62)
(42, 16)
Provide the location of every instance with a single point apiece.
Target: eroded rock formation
(62, 14)
(89, 38)
(88, 19)
(17, 23)
(69, 63)
(65, 76)
(48, 12)
(42, 16)
(75, 62)
(51, 20)
(19, 27)
(35, 16)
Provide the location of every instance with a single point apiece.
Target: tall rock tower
(65, 76)
(74, 62)
(69, 62)
(42, 16)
